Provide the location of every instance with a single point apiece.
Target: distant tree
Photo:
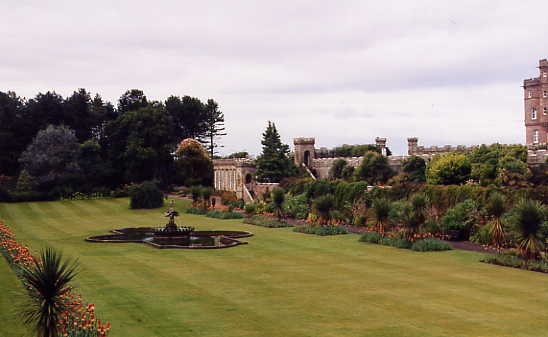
(139, 144)
(415, 169)
(189, 117)
(336, 170)
(78, 113)
(448, 169)
(214, 125)
(374, 169)
(132, 100)
(52, 157)
(15, 133)
(242, 154)
(194, 167)
(95, 168)
(274, 163)
(512, 172)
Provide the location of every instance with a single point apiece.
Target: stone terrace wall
(323, 165)
(537, 157)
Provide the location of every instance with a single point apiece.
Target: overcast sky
(448, 72)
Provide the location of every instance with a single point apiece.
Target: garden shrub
(481, 235)
(321, 230)
(296, 207)
(318, 188)
(371, 237)
(460, 217)
(508, 259)
(430, 245)
(196, 210)
(250, 208)
(264, 221)
(146, 195)
(224, 215)
(395, 242)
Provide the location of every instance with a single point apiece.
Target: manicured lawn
(282, 284)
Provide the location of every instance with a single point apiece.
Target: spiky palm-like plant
(278, 198)
(207, 192)
(411, 220)
(47, 281)
(496, 207)
(381, 208)
(529, 218)
(323, 206)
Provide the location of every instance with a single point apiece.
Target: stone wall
(321, 166)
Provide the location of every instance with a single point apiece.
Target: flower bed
(508, 260)
(265, 221)
(79, 319)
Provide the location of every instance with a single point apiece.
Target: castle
(237, 175)
(535, 98)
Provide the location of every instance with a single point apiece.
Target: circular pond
(178, 237)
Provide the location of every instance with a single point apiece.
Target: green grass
(281, 284)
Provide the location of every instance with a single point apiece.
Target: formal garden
(109, 226)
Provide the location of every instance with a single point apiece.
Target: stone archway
(307, 158)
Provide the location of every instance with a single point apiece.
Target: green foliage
(52, 157)
(371, 237)
(242, 154)
(448, 169)
(528, 221)
(382, 208)
(278, 198)
(46, 283)
(374, 169)
(250, 208)
(321, 230)
(430, 245)
(395, 242)
(146, 195)
(297, 207)
(318, 188)
(196, 210)
(25, 182)
(194, 166)
(274, 163)
(336, 170)
(482, 235)
(508, 260)
(347, 193)
(224, 215)
(139, 144)
(415, 169)
(323, 206)
(264, 221)
(460, 217)
(351, 151)
(295, 185)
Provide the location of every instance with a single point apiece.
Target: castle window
(530, 94)
(544, 74)
(534, 113)
(545, 94)
(535, 137)
(545, 111)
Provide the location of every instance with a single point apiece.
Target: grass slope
(281, 284)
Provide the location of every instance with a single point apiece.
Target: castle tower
(304, 151)
(381, 144)
(536, 106)
(412, 145)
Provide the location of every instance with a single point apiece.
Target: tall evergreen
(274, 163)
(214, 122)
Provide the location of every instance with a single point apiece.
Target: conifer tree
(274, 163)
(214, 125)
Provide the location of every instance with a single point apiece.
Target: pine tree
(273, 164)
(214, 123)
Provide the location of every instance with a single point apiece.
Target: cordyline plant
(47, 281)
(496, 208)
(381, 208)
(529, 217)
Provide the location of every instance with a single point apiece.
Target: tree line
(84, 141)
